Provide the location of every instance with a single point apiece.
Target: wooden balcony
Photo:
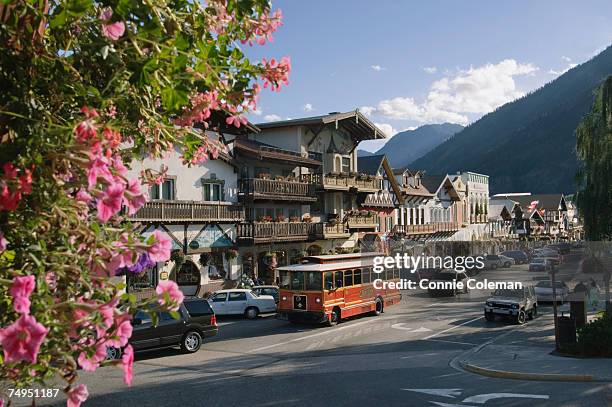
(268, 232)
(344, 182)
(425, 229)
(335, 231)
(362, 222)
(268, 189)
(188, 211)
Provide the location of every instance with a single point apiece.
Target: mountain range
(409, 145)
(527, 145)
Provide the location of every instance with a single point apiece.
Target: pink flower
(169, 289)
(134, 197)
(123, 334)
(127, 362)
(98, 168)
(90, 364)
(113, 31)
(51, 280)
(85, 130)
(3, 242)
(83, 196)
(160, 249)
(21, 289)
(77, 395)
(110, 202)
(22, 339)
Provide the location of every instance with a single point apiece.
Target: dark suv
(519, 256)
(197, 321)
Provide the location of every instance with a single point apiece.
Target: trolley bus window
(313, 281)
(329, 281)
(338, 279)
(366, 275)
(285, 279)
(297, 280)
(357, 277)
(348, 278)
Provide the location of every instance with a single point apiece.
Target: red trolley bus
(327, 288)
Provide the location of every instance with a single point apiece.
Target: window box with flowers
(294, 219)
(280, 218)
(265, 219)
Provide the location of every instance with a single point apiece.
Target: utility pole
(553, 281)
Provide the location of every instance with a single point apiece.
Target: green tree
(594, 148)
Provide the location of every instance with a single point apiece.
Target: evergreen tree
(594, 148)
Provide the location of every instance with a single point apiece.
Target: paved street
(406, 357)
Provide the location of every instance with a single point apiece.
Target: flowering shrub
(88, 86)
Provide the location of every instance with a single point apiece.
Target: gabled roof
(371, 164)
(354, 122)
(401, 171)
(499, 212)
(549, 202)
(265, 151)
(432, 182)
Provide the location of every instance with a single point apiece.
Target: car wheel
(191, 342)
(251, 312)
(507, 264)
(113, 353)
(520, 318)
(533, 313)
(493, 266)
(489, 316)
(378, 309)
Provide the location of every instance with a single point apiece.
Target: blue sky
(408, 63)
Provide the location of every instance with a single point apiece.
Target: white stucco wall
(188, 184)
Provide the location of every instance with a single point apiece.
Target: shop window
(147, 279)
(166, 190)
(188, 274)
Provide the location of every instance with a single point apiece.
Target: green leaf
(59, 19)
(174, 98)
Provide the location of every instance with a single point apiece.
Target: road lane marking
(450, 393)
(483, 398)
(456, 342)
(452, 327)
(302, 338)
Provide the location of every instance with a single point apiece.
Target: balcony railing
(259, 188)
(335, 230)
(261, 232)
(344, 181)
(356, 221)
(426, 228)
(186, 211)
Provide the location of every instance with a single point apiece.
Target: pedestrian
(593, 295)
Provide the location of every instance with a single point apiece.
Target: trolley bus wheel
(379, 307)
(335, 317)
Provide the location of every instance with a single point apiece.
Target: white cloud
(569, 66)
(272, 118)
(430, 69)
(367, 110)
(475, 90)
(308, 107)
(257, 112)
(387, 129)
(378, 68)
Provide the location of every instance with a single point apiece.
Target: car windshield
(508, 293)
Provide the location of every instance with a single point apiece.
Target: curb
(532, 376)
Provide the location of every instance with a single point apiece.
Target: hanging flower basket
(204, 259)
(178, 257)
(231, 254)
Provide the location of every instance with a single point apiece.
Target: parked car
(554, 257)
(519, 256)
(518, 304)
(493, 261)
(447, 275)
(544, 291)
(561, 247)
(241, 301)
(540, 264)
(423, 273)
(197, 321)
(506, 261)
(266, 290)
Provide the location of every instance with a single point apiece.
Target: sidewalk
(525, 353)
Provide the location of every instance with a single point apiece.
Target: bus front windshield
(301, 280)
